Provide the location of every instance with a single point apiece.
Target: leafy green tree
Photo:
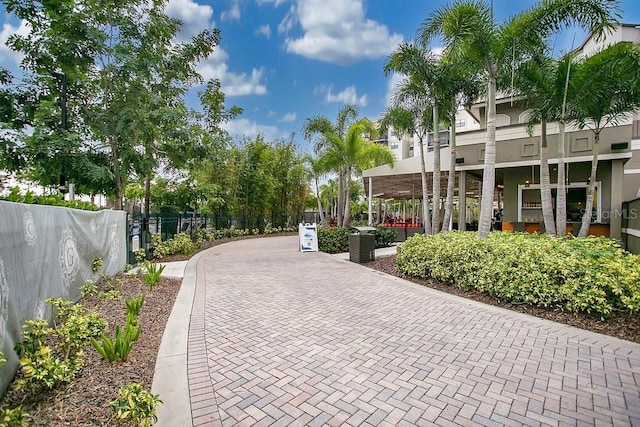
(125, 78)
(471, 35)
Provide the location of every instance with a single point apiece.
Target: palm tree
(316, 169)
(471, 35)
(541, 82)
(412, 122)
(464, 88)
(322, 127)
(353, 154)
(418, 95)
(603, 89)
(329, 195)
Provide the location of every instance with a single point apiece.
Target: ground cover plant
(591, 275)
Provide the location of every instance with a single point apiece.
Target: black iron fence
(167, 225)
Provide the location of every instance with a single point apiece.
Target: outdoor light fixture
(527, 183)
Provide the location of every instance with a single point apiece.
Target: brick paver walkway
(279, 337)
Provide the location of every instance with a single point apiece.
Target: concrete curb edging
(170, 378)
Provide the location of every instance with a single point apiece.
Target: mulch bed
(620, 325)
(85, 401)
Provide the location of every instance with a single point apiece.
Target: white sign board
(308, 237)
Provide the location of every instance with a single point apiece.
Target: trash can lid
(365, 229)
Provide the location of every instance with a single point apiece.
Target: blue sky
(285, 60)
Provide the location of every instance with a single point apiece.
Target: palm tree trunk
(561, 196)
(319, 202)
(448, 207)
(586, 219)
(340, 197)
(545, 183)
(489, 175)
(561, 192)
(436, 171)
(425, 190)
(347, 198)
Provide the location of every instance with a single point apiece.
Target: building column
(617, 183)
(370, 200)
(462, 201)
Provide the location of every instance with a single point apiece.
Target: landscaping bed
(85, 400)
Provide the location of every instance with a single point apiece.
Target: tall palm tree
(541, 82)
(353, 154)
(412, 121)
(470, 33)
(604, 89)
(422, 91)
(322, 127)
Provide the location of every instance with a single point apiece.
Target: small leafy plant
(134, 305)
(110, 295)
(88, 289)
(135, 404)
(14, 417)
(140, 255)
(96, 264)
(118, 348)
(153, 273)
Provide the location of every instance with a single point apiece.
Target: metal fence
(141, 226)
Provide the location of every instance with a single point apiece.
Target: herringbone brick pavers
(279, 337)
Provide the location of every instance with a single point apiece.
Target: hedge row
(335, 240)
(590, 275)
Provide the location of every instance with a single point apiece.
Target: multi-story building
(517, 193)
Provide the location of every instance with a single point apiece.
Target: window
(393, 144)
(460, 122)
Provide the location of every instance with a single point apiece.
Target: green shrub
(42, 367)
(333, 240)
(55, 200)
(591, 275)
(136, 405)
(385, 237)
(180, 244)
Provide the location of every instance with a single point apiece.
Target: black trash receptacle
(362, 245)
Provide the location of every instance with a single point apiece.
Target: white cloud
(195, 17)
(276, 3)
(264, 29)
(392, 84)
(244, 128)
(344, 36)
(215, 67)
(6, 54)
(232, 14)
(288, 118)
(348, 96)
